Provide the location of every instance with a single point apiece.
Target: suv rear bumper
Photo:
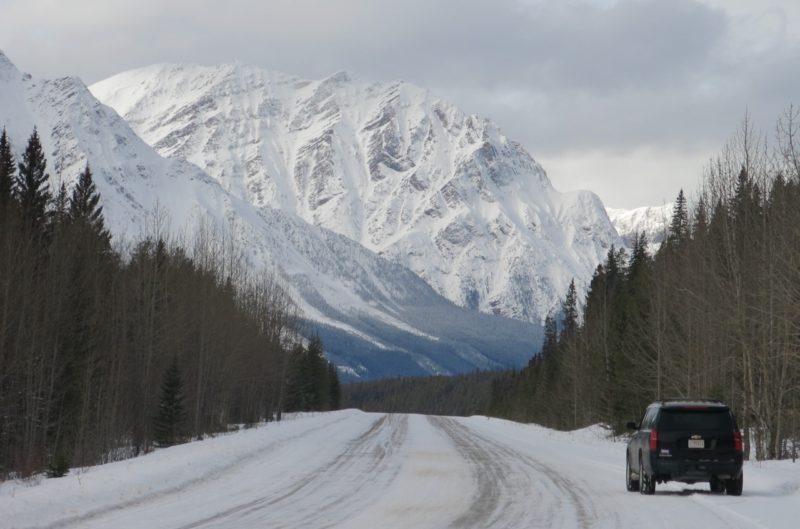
(690, 470)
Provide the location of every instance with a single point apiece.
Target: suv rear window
(697, 420)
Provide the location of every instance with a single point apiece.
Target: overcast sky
(628, 98)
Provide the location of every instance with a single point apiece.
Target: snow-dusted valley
(388, 165)
(353, 470)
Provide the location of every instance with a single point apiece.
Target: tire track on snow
(365, 457)
(508, 495)
(179, 488)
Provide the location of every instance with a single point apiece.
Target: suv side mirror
(632, 426)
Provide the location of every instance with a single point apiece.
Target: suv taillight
(653, 439)
(737, 441)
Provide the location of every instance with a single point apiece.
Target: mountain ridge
(652, 220)
(369, 310)
(389, 165)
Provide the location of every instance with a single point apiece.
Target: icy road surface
(356, 470)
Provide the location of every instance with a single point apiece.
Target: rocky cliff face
(387, 165)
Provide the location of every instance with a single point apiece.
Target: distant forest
(461, 395)
(106, 353)
(714, 313)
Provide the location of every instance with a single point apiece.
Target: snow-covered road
(351, 469)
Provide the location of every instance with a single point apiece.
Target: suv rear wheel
(734, 485)
(647, 485)
(631, 484)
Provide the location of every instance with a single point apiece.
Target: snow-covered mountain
(376, 317)
(388, 165)
(653, 221)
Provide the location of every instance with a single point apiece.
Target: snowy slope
(388, 165)
(74, 127)
(653, 221)
(376, 317)
(355, 470)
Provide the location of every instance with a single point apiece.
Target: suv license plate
(697, 443)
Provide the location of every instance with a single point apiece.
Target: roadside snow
(93, 491)
(356, 470)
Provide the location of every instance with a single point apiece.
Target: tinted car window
(695, 420)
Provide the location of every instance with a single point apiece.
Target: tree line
(313, 380)
(106, 352)
(714, 313)
(460, 395)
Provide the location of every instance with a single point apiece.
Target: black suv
(688, 441)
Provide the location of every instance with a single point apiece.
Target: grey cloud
(561, 76)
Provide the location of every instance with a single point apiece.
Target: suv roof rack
(688, 400)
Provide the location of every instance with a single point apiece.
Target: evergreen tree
(84, 203)
(60, 207)
(543, 369)
(700, 222)
(58, 466)
(335, 397)
(569, 311)
(312, 384)
(31, 184)
(638, 253)
(168, 422)
(679, 227)
(7, 172)
(85, 211)
(550, 341)
(297, 394)
(317, 383)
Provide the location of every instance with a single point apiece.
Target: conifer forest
(109, 349)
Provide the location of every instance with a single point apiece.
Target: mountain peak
(341, 76)
(652, 220)
(388, 165)
(7, 69)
